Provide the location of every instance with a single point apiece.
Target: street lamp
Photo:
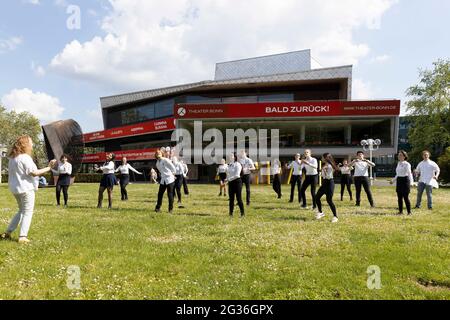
(2, 155)
(371, 145)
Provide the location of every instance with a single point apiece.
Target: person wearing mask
(222, 174)
(428, 172)
(327, 188)
(296, 178)
(167, 180)
(276, 172)
(124, 178)
(247, 167)
(346, 179)
(404, 180)
(179, 170)
(235, 184)
(23, 183)
(361, 177)
(185, 177)
(63, 171)
(311, 166)
(108, 180)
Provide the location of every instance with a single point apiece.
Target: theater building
(310, 106)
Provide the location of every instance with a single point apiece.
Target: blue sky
(125, 45)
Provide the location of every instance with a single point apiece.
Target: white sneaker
(334, 220)
(320, 215)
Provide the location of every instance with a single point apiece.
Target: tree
(444, 164)
(13, 125)
(429, 107)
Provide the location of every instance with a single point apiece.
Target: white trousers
(25, 213)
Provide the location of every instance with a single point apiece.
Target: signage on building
(287, 109)
(131, 155)
(132, 130)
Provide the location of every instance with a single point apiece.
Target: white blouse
(276, 168)
(311, 169)
(427, 170)
(234, 171)
(20, 179)
(125, 169)
(63, 168)
(166, 170)
(108, 168)
(247, 165)
(222, 168)
(404, 170)
(327, 172)
(297, 166)
(179, 169)
(345, 169)
(362, 167)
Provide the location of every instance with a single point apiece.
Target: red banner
(131, 155)
(132, 130)
(287, 109)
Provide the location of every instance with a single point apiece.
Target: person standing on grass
(311, 166)
(234, 171)
(404, 180)
(167, 180)
(428, 172)
(327, 188)
(247, 167)
(346, 179)
(361, 177)
(222, 174)
(185, 177)
(276, 172)
(124, 178)
(63, 171)
(108, 180)
(296, 178)
(23, 183)
(153, 176)
(179, 170)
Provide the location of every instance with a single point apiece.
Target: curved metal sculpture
(65, 137)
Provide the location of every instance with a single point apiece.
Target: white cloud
(362, 90)
(381, 59)
(37, 69)
(149, 43)
(34, 2)
(45, 107)
(10, 44)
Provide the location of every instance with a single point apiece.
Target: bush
(444, 164)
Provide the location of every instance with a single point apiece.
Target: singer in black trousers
(309, 181)
(364, 182)
(403, 190)
(346, 182)
(235, 192)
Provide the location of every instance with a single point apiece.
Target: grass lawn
(277, 252)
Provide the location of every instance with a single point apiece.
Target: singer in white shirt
(346, 179)
(124, 179)
(185, 177)
(311, 166)
(296, 179)
(428, 172)
(247, 167)
(108, 179)
(222, 174)
(63, 171)
(235, 184)
(167, 173)
(361, 177)
(276, 172)
(327, 187)
(404, 180)
(179, 172)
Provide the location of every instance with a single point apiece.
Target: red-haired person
(23, 183)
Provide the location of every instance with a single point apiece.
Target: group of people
(23, 182)
(304, 174)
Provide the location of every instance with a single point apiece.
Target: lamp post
(2, 155)
(371, 145)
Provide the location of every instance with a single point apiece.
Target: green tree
(444, 164)
(13, 125)
(430, 111)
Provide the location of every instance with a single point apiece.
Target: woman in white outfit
(222, 174)
(124, 180)
(23, 183)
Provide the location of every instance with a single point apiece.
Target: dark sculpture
(65, 137)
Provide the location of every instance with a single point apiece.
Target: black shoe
(358, 205)
(291, 201)
(157, 210)
(170, 211)
(417, 207)
(220, 194)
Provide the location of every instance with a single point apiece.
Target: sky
(58, 57)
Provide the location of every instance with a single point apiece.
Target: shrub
(444, 164)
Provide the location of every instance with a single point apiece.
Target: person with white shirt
(346, 179)
(63, 171)
(153, 176)
(247, 167)
(108, 179)
(23, 183)
(167, 180)
(327, 188)
(185, 177)
(222, 174)
(311, 166)
(276, 172)
(361, 177)
(404, 180)
(124, 178)
(179, 171)
(235, 184)
(428, 172)
(296, 179)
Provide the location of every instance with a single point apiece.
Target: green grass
(277, 252)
